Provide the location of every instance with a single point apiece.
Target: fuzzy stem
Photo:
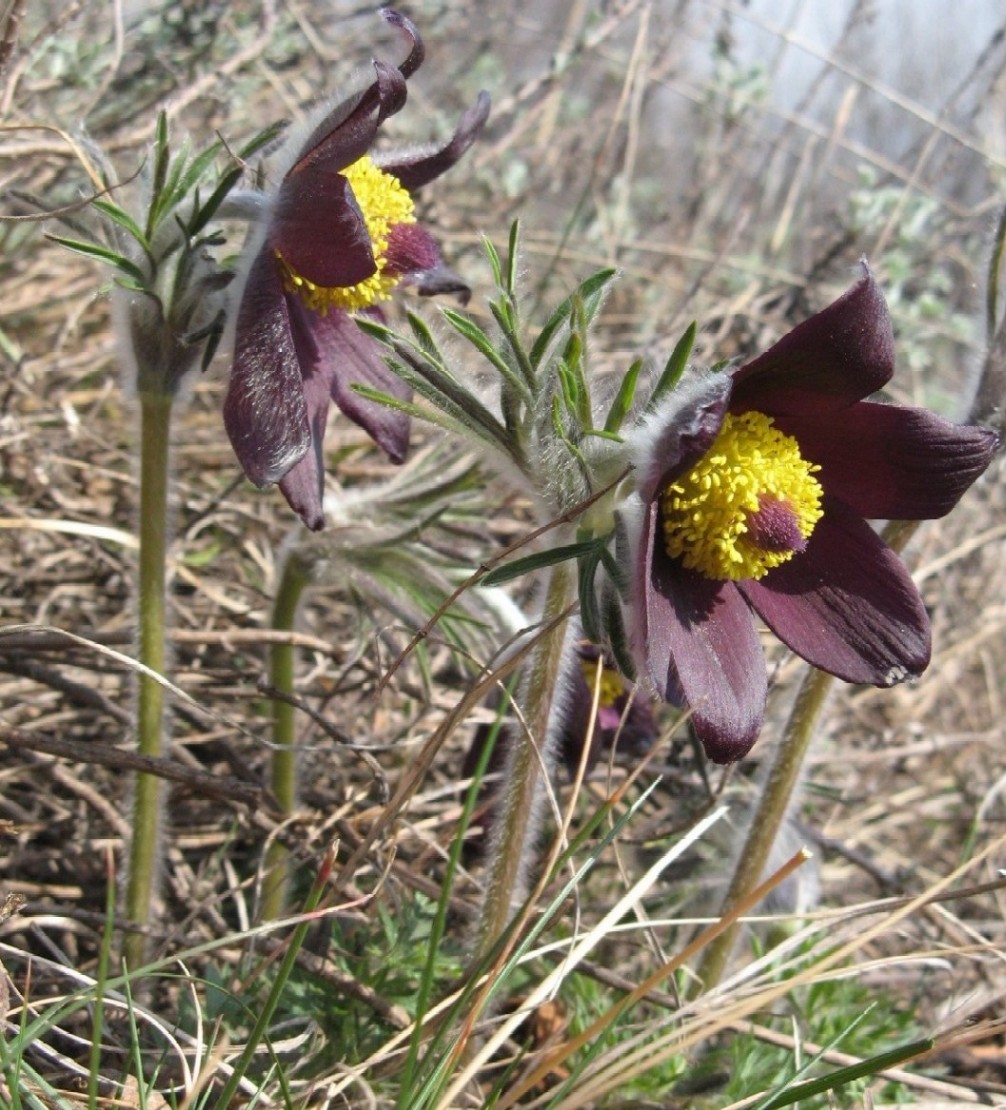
(769, 815)
(773, 805)
(532, 751)
(284, 734)
(155, 424)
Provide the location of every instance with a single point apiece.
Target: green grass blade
(863, 1070)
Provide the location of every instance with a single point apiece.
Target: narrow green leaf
(162, 159)
(445, 414)
(494, 262)
(119, 216)
(568, 386)
(213, 338)
(102, 254)
(530, 563)
(204, 213)
(441, 387)
(587, 292)
(589, 614)
(617, 571)
(376, 329)
(511, 262)
(573, 357)
(469, 330)
(197, 168)
(426, 342)
(623, 398)
(169, 195)
(262, 139)
(503, 313)
(675, 365)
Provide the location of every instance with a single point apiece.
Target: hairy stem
(531, 756)
(769, 815)
(283, 777)
(774, 803)
(155, 424)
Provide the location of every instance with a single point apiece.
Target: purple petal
(303, 485)
(264, 410)
(414, 255)
(889, 462)
(847, 604)
(417, 51)
(347, 131)
(411, 250)
(417, 168)
(681, 431)
(346, 357)
(842, 354)
(391, 90)
(319, 229)
(699, 641)
(438, 281)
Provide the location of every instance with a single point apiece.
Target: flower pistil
(748, 505)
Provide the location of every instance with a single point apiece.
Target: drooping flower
(622, 717)
(624, 712)
(338, 236)
(756, 490)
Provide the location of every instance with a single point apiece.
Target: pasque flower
(620, 716)
(624, 713)
(755, 487)
(336, 238)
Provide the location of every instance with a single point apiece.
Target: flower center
(612, 685)
(748, 505)
(385, 204)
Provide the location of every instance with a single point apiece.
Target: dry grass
(617, 140)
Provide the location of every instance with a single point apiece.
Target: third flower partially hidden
(338, 238)
(755, 484)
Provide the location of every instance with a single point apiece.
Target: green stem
(532, 749)
(155, 424)
(769, 815)
(783, 776)
(284, 734)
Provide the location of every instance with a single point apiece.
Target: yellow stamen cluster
(384, 203)
(612, 685)
(707, 513)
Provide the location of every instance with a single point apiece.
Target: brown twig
(227, 789)
(10, 32)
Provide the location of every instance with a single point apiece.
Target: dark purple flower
(624, 712)
(624, 718)
(754, 496)
(339, 237)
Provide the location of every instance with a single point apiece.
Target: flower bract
(757, 484)
(339, 236)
